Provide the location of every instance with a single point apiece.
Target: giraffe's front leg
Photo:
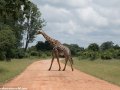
(58, 64)
(57, 56)
(52, 60)
(51, 64)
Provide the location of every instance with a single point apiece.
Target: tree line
(18, 18)
(106, 51)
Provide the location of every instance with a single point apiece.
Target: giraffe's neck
(49, 39)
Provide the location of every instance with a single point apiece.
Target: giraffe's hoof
(59, 69)
(63, 69)
(49, 69)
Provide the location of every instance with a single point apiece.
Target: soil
(37, 77)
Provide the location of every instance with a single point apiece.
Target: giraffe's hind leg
(66, 60)
(71, 63)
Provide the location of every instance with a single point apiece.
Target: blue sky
(81, 21)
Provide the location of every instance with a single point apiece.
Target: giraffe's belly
(61, 53)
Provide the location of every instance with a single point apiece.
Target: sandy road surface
(37, 77)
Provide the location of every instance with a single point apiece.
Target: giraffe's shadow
(54, 70)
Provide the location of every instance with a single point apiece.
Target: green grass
(108, 70)
(9, 70)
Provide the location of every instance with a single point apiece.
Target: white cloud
(108, 12)
(81, 21)
(90, 16)
(65, 3)
(108, 3)
(53, 14)
(64, 27)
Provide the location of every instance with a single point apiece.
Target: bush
(84, 55)
(18, 53)
(48, 53)
(7, 42)
(27, 55)
(106, 55)
(116, 54)
(2, 56)
(34, 53)
(44, 55)
(93, 55)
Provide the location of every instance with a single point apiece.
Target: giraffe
(58, 49)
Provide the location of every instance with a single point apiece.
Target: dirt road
(37, 77)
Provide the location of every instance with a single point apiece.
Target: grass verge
(108, 70)
(9, 70)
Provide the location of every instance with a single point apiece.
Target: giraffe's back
(63, 50)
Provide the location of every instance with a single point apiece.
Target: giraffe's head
(39, 32)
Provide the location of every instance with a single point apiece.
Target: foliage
(106, 45)
(19, 53)
(107, 51)
(106, 55)
(12, 14)
(2, 56)
(33, 22)
(92, 52)
(7, 42)
(116, 54)
(75, 49)
(17, 17)
(116, 47)
(34, 53)
(43, 46)
(93, 47)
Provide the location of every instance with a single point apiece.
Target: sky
(81, 22)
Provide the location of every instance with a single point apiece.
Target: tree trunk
(26, 46)
(27, 42)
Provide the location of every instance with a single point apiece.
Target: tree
(43, 46)
(93, 47)
(48, 46)
(106, 45)
(32, 23)
(12, 14)
(116, 47)
(74, 48)
(7, 41)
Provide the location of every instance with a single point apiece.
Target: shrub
(27, 55)
(18, 53)
(7, 42)
(84, 55)
(44, 55)
(48, 53)
(116, 54)
(2, 56)
(93, 55)
(34, 53)
(106, 55)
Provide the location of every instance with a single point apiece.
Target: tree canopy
(17, 18)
